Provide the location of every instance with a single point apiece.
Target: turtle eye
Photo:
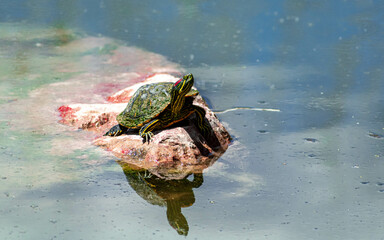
(177, 82)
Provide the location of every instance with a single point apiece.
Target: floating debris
(311, 140)
(34, 206)
(375, 135)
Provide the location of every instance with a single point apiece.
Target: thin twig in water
(248, 108)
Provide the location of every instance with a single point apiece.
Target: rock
(172, 153)
(89, 116)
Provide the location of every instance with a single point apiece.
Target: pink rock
(96, 117)
(172, 153)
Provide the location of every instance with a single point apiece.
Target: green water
(314, 170)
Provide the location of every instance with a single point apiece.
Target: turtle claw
(145, 175)
(147, 136)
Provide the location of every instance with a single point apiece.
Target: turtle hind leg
(116, 130)
(202, 122)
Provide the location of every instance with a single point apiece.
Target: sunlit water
(314, 170)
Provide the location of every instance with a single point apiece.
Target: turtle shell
(147, 103)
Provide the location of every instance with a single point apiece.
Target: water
(311, 171)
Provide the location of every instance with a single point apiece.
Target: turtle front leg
(201, 122)
(146, 130)
(116, 130)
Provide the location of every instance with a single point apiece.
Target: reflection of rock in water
(174, 194)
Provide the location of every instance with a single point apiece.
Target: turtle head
(184, 85)
(179, 90)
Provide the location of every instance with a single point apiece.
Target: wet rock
(172, 153)
(90, 116)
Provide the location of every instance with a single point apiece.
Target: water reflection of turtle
(173, 194)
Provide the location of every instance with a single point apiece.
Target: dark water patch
(262, 131)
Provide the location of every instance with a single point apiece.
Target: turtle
(158, 105)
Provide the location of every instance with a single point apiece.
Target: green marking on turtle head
(184, 85)
(179, 90)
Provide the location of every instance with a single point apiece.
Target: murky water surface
(314, 170)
